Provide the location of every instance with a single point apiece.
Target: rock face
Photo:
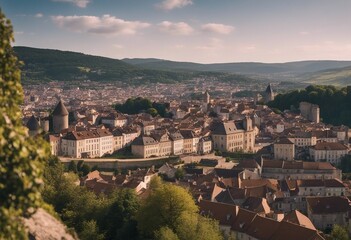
(43, 226)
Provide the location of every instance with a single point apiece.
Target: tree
(180, 173)
(152, 111)
(165, 233)
(85, 169)
(90, 231)
(72, 167)
(21, 157)
(339, 233)
(170, 213)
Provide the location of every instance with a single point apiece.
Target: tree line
(334, 102)
(139, 105)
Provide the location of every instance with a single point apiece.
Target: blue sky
(187, 30)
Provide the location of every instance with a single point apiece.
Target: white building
(329, 151)
(94, 143)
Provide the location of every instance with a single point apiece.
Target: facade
(303, 139)
(190, 141)
(328, 151)
(94, 143)
(284, 149)
(177, 143)
(234, 136)
(205, 145)
(60, 117)
(145, 147)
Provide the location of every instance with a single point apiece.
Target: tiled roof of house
(328, 205)
(300, 219)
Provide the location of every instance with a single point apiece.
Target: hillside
(337, 77)
(292, 68)
(47, 65)
(42, 65)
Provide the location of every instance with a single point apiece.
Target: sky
(204, 31)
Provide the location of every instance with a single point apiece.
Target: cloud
(118, 46)
(172, 4)
(178, 28)
(99, 25)
(217, 28)
(39, 15)
(78, 3)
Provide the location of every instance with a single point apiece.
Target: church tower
(60, 117)
(269, 94)
(207, 97)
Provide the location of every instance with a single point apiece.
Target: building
(278, 169)
(60, 117)
(328, 151)
(233, 136)
(310, 111)
(164, 144)
(284, 149)
(91, 144)
(303, 139)
(325, 212)
(268, 94)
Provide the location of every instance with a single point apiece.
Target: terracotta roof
(328, 205)
(263, 228)
(330, 146)
(144, 140)
(96, 133)
(224, 128)
(243, 220)
(224, 213)
(291, 231)
(283, 141)
(256, 204)
(300, 219)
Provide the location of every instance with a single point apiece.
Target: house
(114, 120)
(329, 151)
(164, 143)
(324, 212)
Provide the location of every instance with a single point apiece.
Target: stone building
(329, 151)
(310, 111)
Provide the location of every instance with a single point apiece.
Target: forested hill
(46, 65)
(334, 103)
(43, 65)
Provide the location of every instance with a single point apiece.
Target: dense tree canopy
(334, 103)
(139, 104)
(20, 156)
(170, 213)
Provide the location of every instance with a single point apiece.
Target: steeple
(269, 94)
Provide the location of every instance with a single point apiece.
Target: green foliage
(165, 233)
(339, 233)
(92, 217)
(85, 169)
(21, 157)
(170, 213)
(139, 104)
(180, 173)
(72, 167)
(345, 164)
(334, 103)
